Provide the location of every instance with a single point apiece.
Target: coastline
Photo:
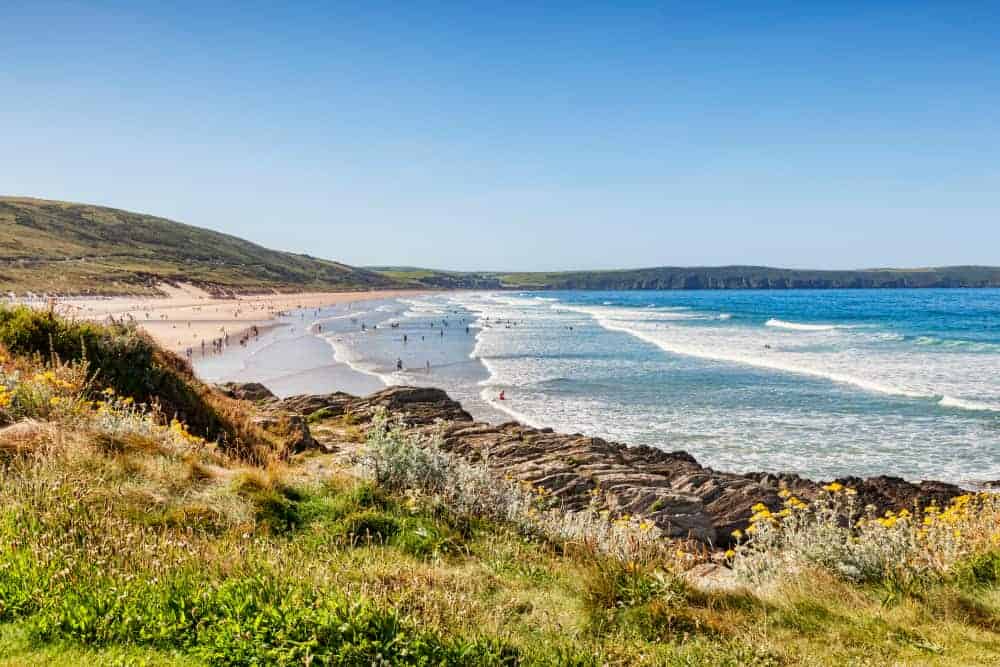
(318, 344)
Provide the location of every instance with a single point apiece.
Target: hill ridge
(105, 250)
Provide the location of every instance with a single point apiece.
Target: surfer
(502, 396)
(399, 364)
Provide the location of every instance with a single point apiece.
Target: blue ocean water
(822, 383)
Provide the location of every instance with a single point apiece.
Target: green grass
(65, 248)
(360, 573)
(122, 358)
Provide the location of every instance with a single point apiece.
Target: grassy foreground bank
(146, 519)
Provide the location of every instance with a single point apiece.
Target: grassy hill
(64, 248)
(716, 277)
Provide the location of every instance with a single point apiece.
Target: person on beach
(503, 396)
(428, 366)
(399, 364)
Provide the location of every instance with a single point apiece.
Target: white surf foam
(763, 360)
(344, 354)
(800, 326)
(647, 314)
(963, 404)
(490, 397)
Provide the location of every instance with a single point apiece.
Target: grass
(64, 248)
(121, 359)
(124, 540)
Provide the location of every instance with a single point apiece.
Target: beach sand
(188, 315)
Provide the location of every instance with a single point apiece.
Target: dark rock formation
(683, 498)
(418, 406)
(246, 391)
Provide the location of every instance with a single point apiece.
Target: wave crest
(800, 326)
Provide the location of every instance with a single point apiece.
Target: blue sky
(523, 135)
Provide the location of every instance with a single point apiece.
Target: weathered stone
(418, 406)
(246, 391)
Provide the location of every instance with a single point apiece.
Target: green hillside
(715, 277)
(65, 248)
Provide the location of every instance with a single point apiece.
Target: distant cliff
(721, 277)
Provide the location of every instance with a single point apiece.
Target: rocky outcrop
(246, 391)
(682, 497)
(418, 406)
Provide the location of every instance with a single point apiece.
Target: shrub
(121, 357)
(369, 526)
(277, 507)
(902, 550)
(399, 462)
(980, 569)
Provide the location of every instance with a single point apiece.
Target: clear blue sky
(475, 135)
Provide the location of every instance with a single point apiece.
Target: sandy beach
(187, 315)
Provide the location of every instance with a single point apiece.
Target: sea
(824, 383)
